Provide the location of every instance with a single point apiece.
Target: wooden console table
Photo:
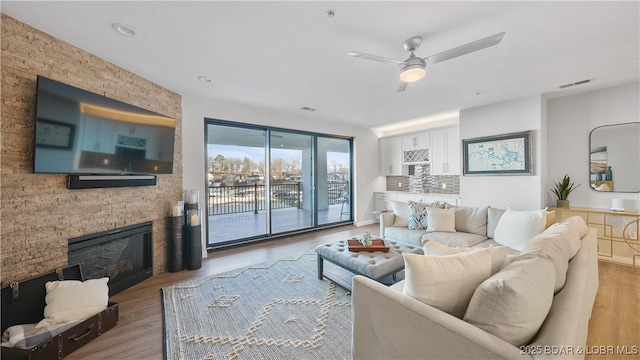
(618, 239)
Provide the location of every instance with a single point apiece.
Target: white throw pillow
(446, 282)
(498, 253)
(71, 300)
(513, 303)
(516, 228)
(559, 244)
(577, 223)
(401, 212)
(442, 220)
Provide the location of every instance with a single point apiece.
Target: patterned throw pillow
(418, 213)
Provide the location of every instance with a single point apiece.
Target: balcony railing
(245, 198)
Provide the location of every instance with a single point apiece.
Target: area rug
(276, 310)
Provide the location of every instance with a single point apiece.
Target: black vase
(175, 256)
(193, 247)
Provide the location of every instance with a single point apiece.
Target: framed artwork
(54, 134)
(506, 154)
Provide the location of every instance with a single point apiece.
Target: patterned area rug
(276, 310)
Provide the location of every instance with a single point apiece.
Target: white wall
(517, 192)
(195, 110)
(570, 120)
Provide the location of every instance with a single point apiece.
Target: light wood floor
(138, 335)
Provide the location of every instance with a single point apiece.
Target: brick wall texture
(38, 213)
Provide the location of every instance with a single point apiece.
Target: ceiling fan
(413, 68)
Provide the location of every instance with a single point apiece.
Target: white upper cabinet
(445, 151)
(391, 157)
(416, 141)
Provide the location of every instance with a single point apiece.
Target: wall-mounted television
(80, 132)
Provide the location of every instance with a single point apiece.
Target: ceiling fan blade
(374, 57)
(403, 86)
(465, 49)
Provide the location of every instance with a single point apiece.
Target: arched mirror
(615, 158)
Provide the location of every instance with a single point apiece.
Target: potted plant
(562, 190)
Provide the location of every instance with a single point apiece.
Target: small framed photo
(54, 134)
(506, 154)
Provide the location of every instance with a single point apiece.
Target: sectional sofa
(537, 304)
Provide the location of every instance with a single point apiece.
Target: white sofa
(388, 324)
(474, 225)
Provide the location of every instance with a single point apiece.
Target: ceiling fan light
(412, 73)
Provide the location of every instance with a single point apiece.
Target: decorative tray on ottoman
(376, 245)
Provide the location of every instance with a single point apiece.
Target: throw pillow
(493, 217)
(559, 244)
(513, 303)
(516, 228)
(578, 224)
(472, 219)
(443, 220)
(445, 282)
(70, 300)
(401, 212)
(417, 215)
(498, 253)
(550, 218)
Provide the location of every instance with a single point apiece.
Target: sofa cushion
(458, 239)
(559, 243)
(404, 235)
(471, 219)
(516, 228)
(493, 217)
(401, 212)
(443, 220)
(446, 282)
(513, 303)
(498, 253)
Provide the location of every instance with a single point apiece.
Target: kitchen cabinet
(445, 151)
(416, 141)
(391, 157)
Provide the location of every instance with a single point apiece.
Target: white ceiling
(287, 55)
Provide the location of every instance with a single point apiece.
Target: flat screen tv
(79, 132)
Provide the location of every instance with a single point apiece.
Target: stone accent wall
(38, 213)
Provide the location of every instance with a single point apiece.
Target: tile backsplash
(420, 181)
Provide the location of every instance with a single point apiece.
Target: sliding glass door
(263, 182)
(291, 181)
(334, 180)
(235, 183)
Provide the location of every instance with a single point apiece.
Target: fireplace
(124, 255)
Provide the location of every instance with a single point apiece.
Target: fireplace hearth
(123, 254)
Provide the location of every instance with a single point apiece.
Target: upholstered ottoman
(375, 265)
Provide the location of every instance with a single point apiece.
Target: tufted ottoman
(375, 265)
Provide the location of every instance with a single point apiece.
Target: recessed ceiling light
(205, 79)
(124, 29)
